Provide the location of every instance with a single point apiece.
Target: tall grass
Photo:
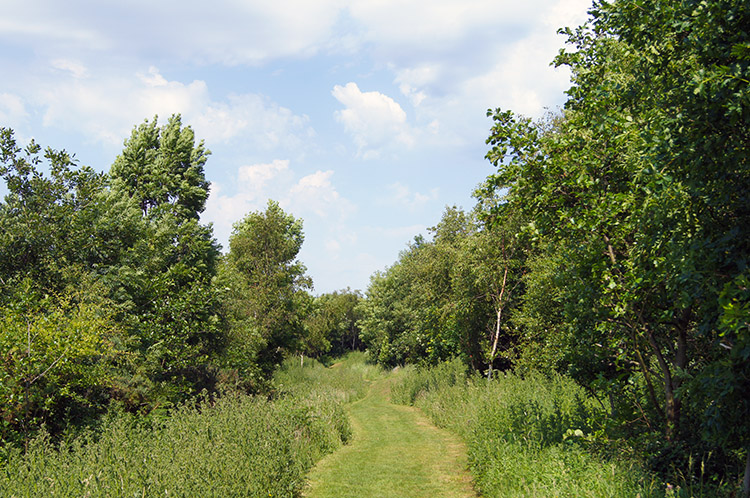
(236, 445)
(527, 436)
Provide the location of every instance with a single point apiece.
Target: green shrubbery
(235, 445)
(527, 436)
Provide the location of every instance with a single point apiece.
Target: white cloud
(74, 68)
(254, 185)
(223, 31)
(311, 196)
(374, 120)
(106, 107)
(23, 20)
(316, 193)
(254, 118)
(257, 176)
(12, 110)
(401, 195)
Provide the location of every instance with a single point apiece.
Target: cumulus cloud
(401, 195)
(311, 196)
(256, 118)
(105, 107)
(254, 184)
(373, 119)
(257, 176)
(316, 193)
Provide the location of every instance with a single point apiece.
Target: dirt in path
(395, 452)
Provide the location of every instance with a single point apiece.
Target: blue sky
(365, 119)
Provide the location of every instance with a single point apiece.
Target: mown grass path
(395, 452)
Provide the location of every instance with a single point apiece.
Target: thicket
(112, 291)
(232, 445)
(611, 243)
(531, 435)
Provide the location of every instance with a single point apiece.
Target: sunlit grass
(526, 436)
(395, 452)
(236, 445)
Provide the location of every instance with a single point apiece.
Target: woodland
(595, 301)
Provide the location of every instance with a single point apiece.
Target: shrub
(236, 445)
(526, 436)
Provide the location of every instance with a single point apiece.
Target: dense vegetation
(112, 293)
(527, 436)
(611, 244)
(247, 446)
(603, 272)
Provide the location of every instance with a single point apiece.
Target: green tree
(426, 307)
(267, 286)
(487, 280)
(331, 325)
(639, 194)
(57, 355)
(162, 280)
(46, 221)
(162, 167)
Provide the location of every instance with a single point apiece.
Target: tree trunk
(671, 383)
(497, 337)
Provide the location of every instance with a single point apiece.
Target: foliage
(413, 313)
(636, 200)
(56, 358)
(452, 296)
(235, 445)
(162, 169)
(162, 280)
(266, 298)
(46, 221)
(527, 436)
(331, 325)
(112, 260)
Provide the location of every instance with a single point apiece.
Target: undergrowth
(236, 445)
(527, 436)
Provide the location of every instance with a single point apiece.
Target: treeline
(612, 242)
(113, 291)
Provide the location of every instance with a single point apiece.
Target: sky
(363, 118)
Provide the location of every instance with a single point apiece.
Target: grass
(526, 437)
(395, 452)
(236, 446)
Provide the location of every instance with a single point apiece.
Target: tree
(267, 288)
(641, 184)
(162, 281)
(489, 270)
(331, 326)
(163, 167)
(57, 355)
(436, 301)
(45, 221)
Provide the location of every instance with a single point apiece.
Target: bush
(236, 445)
(527, 436)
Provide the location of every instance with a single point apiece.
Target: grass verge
(234, 446)
(527, 437)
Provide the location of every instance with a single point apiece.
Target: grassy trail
(395, 452)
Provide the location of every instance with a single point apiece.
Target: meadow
(527, 436)
(234, 445)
